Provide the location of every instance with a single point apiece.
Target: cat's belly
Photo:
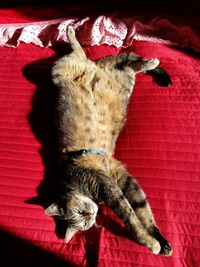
(91, 136)
(92, 121)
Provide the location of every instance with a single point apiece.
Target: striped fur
(91, 111)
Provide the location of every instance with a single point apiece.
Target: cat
(90, 113)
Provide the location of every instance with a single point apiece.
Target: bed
(160, 143)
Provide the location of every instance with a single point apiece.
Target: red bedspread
(160, 145)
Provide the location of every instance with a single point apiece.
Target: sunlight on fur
(90, 113)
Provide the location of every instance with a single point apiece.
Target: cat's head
(77, 210)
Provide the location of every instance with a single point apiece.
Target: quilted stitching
(159, 145)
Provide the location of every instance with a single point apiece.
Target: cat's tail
(76, 47)
(161, 76)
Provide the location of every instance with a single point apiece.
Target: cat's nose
(90, 215)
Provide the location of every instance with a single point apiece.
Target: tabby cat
(90, 113)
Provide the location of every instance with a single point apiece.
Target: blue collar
(78, 153)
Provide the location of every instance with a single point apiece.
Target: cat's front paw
(166, 249)
(155, 247)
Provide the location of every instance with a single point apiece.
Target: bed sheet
(159, 144)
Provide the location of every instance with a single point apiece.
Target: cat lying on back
(91, 111)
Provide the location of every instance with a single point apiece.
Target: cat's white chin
(93, 208)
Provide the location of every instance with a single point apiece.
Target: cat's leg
(70, 68)
(142, 64)
(76, 47)
(114, 198)
(136, 197)
(130, 60)
(124, 68)
(121, 61)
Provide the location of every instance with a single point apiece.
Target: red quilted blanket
(160, 145)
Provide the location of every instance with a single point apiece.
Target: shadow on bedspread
(41, 119)
(17, 251)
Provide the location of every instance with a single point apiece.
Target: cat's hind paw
(70, 32)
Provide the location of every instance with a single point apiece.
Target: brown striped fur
(91, 111)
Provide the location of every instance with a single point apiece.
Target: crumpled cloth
(100, 30)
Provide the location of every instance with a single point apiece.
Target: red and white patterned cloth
(101, 30)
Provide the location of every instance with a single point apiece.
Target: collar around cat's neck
(81, 152)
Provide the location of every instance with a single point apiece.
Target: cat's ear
(53, 210)
(145, 65)
(70, 233)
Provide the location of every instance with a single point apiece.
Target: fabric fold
(100, 30)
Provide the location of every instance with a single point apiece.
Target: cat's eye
(77, 211)
(85, 223)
